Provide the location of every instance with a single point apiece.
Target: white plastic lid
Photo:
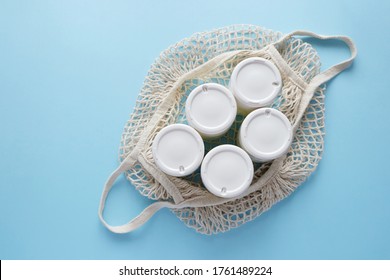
(227, 171)
(211, 109)
(255, 82)
(178, 150)
(265, 134)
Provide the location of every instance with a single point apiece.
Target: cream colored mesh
(188, 54)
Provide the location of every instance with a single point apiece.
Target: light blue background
(70, 72)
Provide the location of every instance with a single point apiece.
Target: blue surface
(70, 72)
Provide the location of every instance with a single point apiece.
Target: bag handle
(143, 217)
(324, 76)
(334, 70)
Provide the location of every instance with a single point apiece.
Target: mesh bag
(211, 57)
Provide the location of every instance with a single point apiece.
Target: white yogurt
(255, 82)
(178, 150)
(227, 171)
(211, 109)
(265, 134)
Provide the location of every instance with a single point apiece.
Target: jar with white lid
(265, 134)
(255, 83)
(227, 171)
(178, 150)
(211, 109)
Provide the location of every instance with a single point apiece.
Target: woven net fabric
(161, 81)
